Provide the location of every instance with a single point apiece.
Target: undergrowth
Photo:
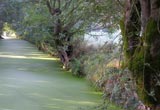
(102, 67)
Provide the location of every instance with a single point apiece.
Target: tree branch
(59, 4)
(49, 6)
(67, 4)
(72, 23)
(119, 2)
(54, 4)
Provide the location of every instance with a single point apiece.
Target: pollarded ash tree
(69, 17)
(61, 35)
(141, 40)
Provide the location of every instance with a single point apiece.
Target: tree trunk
(60, 34)
(62, 39)
(141, 40)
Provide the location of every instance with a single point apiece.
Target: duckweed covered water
(31, 80)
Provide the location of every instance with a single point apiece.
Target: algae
(32, 80)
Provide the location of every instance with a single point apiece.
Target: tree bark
(141, 40)
(131, 30)
(61, 35)
(145, 13)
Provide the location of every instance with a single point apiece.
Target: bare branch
(72, 23)
(54, 4)
(59, 4)
(49, 6)
(67, 4)
(119, 3)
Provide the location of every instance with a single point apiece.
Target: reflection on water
(27, 57)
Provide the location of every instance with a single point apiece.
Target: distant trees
(141, 40)
(9, 12)
(72, 17)
(2, 6)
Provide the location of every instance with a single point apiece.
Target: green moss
(122, 26)
(153, 44)
(137, 61)
(35, 81)
(152, 40)
(146, 53)
(125, 43)
(151, 30)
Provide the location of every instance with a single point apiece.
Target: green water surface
(32, 80)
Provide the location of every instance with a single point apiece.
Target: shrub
(77, 67)
(102, 68)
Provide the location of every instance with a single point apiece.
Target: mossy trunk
(62, 42)
(152, 61)
(61, 36)
(141, 41)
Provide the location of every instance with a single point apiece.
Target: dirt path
(31, 80)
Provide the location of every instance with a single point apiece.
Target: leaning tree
(69, 18)
(141, 40)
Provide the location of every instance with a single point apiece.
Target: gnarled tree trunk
(141, 39)
(61, 34)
